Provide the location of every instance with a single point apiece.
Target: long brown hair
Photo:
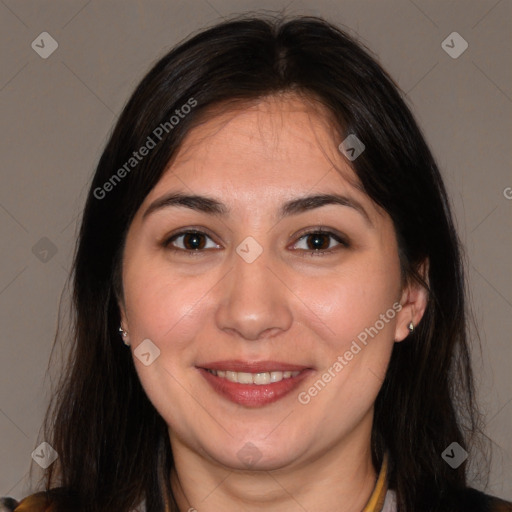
(113, 445)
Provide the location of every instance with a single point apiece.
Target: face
(272, 318)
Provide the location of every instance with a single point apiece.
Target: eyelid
(325, 231)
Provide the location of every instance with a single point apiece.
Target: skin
(287, 305)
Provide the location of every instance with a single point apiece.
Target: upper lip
(253, 366)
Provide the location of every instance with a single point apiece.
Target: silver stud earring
(411, 327)
(124, 334)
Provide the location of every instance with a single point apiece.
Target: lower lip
(253, 395)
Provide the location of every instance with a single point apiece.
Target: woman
(269, 235)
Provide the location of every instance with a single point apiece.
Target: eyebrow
(212, 206)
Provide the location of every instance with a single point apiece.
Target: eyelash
(317, 231)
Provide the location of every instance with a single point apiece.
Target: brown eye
(192, 241)
(318, 242)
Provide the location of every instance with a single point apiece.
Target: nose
(254, 303)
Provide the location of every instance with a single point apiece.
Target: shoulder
(37, 502)
(471, 499)
(467, 500)
(53, 500)
(42, 501)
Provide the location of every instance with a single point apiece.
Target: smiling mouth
(254, 384)
(260, 378)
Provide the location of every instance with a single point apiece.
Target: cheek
(166, 308)
(163, 304)
(354, 298)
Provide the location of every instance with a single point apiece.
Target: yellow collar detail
(376, 501)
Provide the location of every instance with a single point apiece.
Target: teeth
(244, 378)
(253, 378)
(276, 376)
(262, 378)
(231, 376)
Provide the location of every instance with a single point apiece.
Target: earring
(124, 334)
(411, 327)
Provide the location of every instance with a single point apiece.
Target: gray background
(57, 113)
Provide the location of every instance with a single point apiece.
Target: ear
(122, 314)
(414, 302)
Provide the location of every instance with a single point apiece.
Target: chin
(254, 455)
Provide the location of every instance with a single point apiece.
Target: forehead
(274, 130)
(266, 151)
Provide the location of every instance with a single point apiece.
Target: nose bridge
(253, 299)
(251, 268)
